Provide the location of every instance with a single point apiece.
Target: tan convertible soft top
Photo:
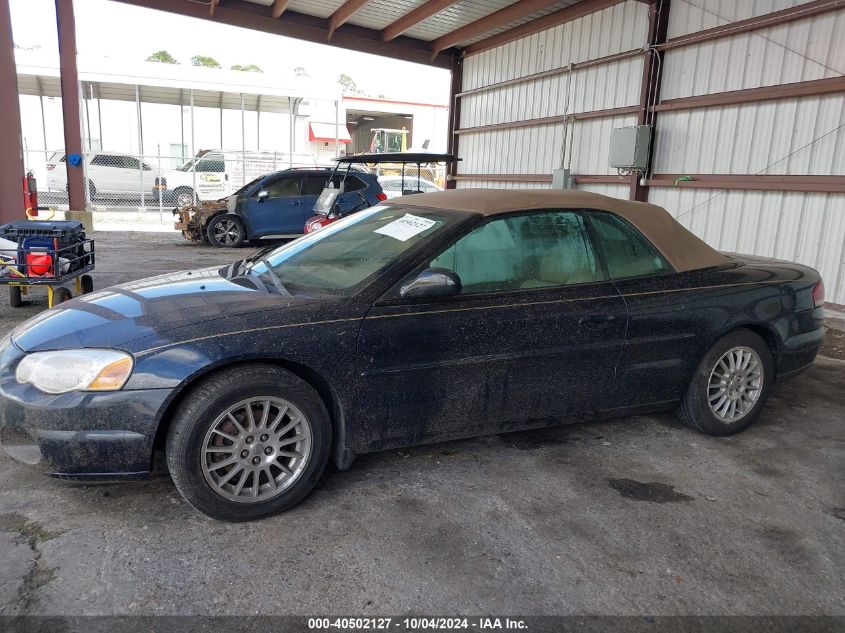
(683, 250)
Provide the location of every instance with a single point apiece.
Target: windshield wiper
(274, 277)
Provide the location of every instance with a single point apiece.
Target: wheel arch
(340, 453)
(766, 331)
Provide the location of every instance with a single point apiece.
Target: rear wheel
(225, 230)
(87, 283)
(248, 442)
(15, 299)
(730, 386)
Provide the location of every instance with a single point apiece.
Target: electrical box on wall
(562, 179)
(629, 147)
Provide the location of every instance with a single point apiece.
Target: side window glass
(130, 163)
(102, 160)
(211, 165)
(355, 184)
(540, 250)
(283, 187)
(313, 185)
(626, 251)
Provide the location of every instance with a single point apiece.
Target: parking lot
(634, 516)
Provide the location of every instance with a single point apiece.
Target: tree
(348, 84)
(162, 56)
(203, 60)
(249, 68)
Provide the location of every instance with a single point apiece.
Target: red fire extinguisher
(30, 195)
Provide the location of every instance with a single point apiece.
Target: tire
(727, 376)
(183, 196)
(15, 299)
(61, 295)
(225, 231)
(87, 283)
(194, 445)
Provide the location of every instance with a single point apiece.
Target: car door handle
(596, 320)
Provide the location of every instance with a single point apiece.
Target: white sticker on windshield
(406, 227)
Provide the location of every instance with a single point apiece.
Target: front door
(280, 211)
(536, 332)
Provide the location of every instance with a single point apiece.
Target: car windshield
(341, 257)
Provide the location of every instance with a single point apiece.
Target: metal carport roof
(424, 31)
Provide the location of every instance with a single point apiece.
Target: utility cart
(51, 254)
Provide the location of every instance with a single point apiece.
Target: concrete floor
(635, 516)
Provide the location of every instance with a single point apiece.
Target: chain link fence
(148, 183)
(125, 181)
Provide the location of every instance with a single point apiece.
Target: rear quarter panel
(673, 321)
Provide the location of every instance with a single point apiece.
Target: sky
(120, 32)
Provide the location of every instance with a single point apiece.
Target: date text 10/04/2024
(417, 623)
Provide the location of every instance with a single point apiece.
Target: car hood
(117, 315)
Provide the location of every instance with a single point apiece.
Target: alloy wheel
(227, 232)
(256, 449)
(735, 384)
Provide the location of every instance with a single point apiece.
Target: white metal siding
(796, 136)
(689, 16)
(797, 51)
(538, 149)
(754, 138)
(615, 30)
(808, 228)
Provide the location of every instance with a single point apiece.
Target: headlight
(75, 370)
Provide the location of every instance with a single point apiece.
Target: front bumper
(191, 227)
(87, 435)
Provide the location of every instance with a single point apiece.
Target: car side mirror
(262, 196)
(431, 284)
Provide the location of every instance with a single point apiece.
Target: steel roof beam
(343, 13)
(309, 28)
(567, 14)
(278, 8)
(410, 20)
(489, 22)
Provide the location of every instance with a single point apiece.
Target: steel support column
(11, 164)
(658, 22)
(454, 119)
(70, 102)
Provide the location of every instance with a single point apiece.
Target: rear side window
(352, 183)
(626, 251)
(103, 160)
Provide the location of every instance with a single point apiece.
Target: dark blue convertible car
(433, 317)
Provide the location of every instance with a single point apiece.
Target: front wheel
(248, 442)
(225, 230)
(730, 386)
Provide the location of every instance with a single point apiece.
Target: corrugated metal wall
(539, 149)
(791, 136)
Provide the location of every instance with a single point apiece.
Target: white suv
(108, 173)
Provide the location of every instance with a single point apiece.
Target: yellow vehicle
(386, 140)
